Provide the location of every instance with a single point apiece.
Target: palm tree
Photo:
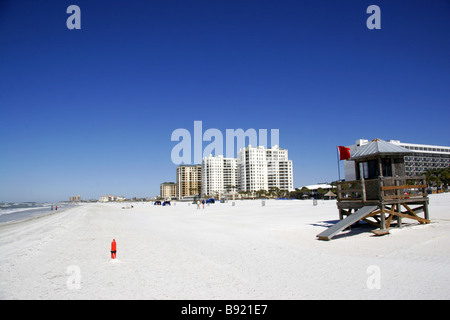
(438, 177)
(232, 188)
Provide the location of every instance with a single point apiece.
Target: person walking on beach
(198, 204)
(203, 202)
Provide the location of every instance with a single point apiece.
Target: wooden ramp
(347, 222)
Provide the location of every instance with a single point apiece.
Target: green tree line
(438, 177)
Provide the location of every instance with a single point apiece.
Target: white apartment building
(261, 169)
(279, 169)
(230, 182)
(218, 175)
(252, 169)
(423, 157)
(110, 197)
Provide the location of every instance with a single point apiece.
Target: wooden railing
(383, 188)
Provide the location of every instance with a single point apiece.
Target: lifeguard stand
(380, 193)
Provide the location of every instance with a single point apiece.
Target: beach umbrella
(329, 194)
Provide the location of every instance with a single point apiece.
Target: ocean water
(20, 211)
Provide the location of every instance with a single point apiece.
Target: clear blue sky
(91, 111)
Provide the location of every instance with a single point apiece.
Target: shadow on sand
(355, 229)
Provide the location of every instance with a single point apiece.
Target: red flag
(344, 153)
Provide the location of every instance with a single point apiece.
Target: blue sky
(92, 111)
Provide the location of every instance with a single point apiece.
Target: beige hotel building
(168, 190)
(189, 180)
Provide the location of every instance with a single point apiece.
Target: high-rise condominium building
(262, 169)
(280, 170)
(252, 169)
(423, 158)
(218, 175)
(189, 180)
(168, 190)
(230, 182)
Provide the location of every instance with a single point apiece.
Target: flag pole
(339, 169)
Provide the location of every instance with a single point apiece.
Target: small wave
(9, 211)
(14, 211)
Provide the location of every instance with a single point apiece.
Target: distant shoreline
(39, 213)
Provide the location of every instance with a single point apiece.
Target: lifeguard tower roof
(379, 147)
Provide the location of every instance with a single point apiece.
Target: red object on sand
(113, 249)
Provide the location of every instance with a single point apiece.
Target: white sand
(222, 252)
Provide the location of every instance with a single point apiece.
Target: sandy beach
(246, 251)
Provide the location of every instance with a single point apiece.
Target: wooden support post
(393, 173)
(363, 184)
(425, 196)
(391, 216)
(397, 191)
(399, 219)
(363, 187)
(380, 167)
(383, 218)
(339, 196)
(425, 210)
(380, 190)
